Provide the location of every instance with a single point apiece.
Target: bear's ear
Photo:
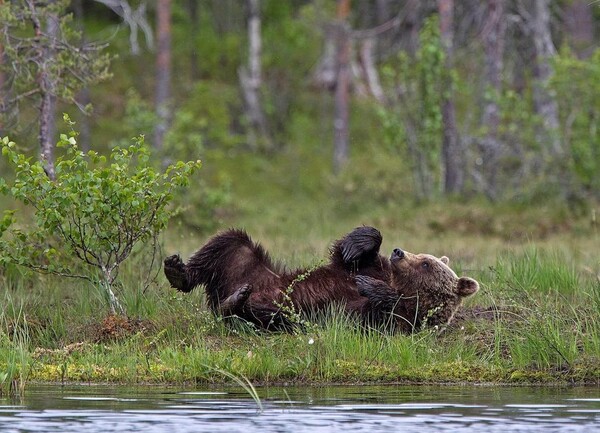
(466, 286)
(445, 260)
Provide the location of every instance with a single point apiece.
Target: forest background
(496, 98)
(463, 128)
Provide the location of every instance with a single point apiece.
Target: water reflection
(348, 409)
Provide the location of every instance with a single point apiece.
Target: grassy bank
(535, 320)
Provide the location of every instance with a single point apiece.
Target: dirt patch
(484, 314)
(115, 327)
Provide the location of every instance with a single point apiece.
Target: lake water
(98, 409)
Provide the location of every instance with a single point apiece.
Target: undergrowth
(535, 320)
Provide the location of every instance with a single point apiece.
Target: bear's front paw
(381, 296)
(366, 285)
(374, 289)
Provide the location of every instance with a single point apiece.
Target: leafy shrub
(89, 220)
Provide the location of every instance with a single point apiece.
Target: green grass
(535, 319)
(521, 328)
(15, 341)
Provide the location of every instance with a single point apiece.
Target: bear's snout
(397, 254)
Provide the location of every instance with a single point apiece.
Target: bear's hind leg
(361, 244)
(235, 302)
(176, 273)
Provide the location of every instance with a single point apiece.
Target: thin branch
(380, 29)
(134, 19)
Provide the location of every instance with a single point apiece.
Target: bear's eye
(425, 265)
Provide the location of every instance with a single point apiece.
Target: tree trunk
(382, 15)
(382, 10)
(325, 72)
(48, 98)
(2, 84)
(342, 87)
(369, 71)
(47, 107)
(579, 23)
(163, 70)
(411, 25)
(194, 24)
(493, 42)
(2, 89)
(544, 103)
(451, 151)
(84, 97)
(251, 80)
(116, 308)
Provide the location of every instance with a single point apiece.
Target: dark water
(345, 409)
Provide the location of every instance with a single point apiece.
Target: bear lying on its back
(402, 292)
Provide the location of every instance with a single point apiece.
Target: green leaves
(43, 62)
(413, 121)
(576, 84)
(95, 212)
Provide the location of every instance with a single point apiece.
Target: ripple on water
(364, 409)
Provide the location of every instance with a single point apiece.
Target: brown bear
(403, 292)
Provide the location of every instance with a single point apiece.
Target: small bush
(89, 220)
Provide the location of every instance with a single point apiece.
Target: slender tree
(46, 62)
(579, 23)
(84, 97)
(342, 86)
(493, 35)
(192, 6)
(251, 79)
(366, 59)
(163, 70)
(544, 102)
(2, 82)
(451, 152)
(411, 25)
(47, 83)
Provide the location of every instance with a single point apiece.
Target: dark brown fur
(397, 292)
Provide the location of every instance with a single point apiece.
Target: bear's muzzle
(397, 254)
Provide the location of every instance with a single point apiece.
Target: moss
(533, 377)
(154, 370)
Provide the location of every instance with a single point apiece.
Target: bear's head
(430, 292)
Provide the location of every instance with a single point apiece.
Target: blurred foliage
(576, 83)
(413, 121)
(206, 120)
(395, 146)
